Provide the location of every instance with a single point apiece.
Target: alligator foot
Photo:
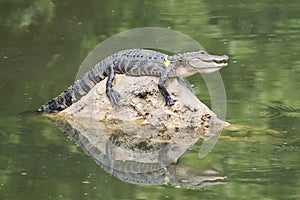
(170, 101)
(114, 97)
(114, 142)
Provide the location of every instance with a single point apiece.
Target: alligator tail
(74, 93)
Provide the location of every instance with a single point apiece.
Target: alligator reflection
(140, 154)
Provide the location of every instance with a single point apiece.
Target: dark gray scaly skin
(137, 62)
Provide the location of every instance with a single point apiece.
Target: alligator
(137, 62)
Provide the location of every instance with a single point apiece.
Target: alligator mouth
(220, 61)
(212, 63)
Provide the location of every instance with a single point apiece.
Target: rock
(142, 101)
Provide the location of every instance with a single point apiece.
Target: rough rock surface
(142, 101)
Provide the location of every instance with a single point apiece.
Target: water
(43, 43)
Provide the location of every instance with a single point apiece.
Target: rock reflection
(141, 154)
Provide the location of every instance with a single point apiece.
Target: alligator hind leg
(113, 96)
(162, 86)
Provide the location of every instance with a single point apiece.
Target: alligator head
(200, 61)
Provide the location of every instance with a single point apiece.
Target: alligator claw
(169, 101)
(114, 142)
(114, 98)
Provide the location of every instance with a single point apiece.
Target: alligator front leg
(113, 96)
(162, 86)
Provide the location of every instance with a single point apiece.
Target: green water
(43, 43)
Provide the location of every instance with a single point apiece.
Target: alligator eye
(202, 52)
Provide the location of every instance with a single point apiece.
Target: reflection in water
(141, 154)
(279, 109)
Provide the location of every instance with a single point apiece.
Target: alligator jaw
(203, 62)
(221, 60)
(211, 63)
